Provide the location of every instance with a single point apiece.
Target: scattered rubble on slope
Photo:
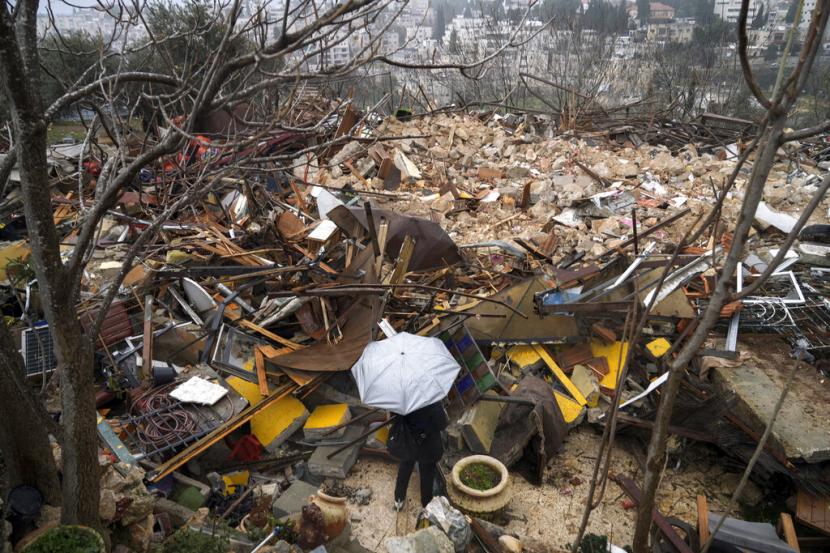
(224, 359)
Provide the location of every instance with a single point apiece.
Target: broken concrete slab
(339, 465)
(801, 428)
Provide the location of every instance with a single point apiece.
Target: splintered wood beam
(270, 335)
(262, 379)
(382, 232)
(402, 264)
(373, 235)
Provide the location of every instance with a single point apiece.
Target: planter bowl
(504, 476)
(482, 503)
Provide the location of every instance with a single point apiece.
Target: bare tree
(778, 105)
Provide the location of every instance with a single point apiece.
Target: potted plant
(480, 485)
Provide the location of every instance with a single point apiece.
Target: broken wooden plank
(402, 264)
(560, 376)
(270, 335)
(259, 363)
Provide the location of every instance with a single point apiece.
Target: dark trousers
(427, 473)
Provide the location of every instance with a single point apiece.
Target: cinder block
(339, 465)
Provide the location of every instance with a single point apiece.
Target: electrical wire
(161, 419)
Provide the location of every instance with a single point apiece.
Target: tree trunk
(79, 449)
(81, 472)
(24, 442)
(655, 460)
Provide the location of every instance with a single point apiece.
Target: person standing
(419, 441)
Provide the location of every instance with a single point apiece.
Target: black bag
(404, 441)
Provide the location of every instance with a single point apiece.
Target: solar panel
(38, 350)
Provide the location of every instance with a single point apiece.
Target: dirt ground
(551, 513)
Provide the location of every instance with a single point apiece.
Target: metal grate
(167, 426)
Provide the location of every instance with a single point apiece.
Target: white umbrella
(404, 373)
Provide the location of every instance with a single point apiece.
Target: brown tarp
(536, 433)
(433, 247)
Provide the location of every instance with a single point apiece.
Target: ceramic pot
(335, 513)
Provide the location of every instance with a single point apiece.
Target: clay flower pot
(335, 513)
(482, 503)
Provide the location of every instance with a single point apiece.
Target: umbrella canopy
(404, 373)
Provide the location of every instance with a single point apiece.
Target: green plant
(67, 539)
(593, 543)
(480, 476)
(20, 271)
(193, 541)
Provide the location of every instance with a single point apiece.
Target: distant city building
(660, 12)
(676, 32)
(806, 14)
(728, 10)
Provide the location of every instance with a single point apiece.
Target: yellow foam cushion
(570, 409)
(382, 434)
(234, 479)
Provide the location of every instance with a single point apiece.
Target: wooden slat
(270, 335)
(702, 519)
(262, 380)
(560, 376)
(789, 531)
(147, 350)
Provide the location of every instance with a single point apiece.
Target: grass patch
(480, 476)
(61, 129)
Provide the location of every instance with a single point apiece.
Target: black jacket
(427, 422)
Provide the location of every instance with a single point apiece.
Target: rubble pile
(224, 385)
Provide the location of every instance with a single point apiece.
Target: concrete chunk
(801, 428)
(339, 465)
(293, 499)
(428, 540)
